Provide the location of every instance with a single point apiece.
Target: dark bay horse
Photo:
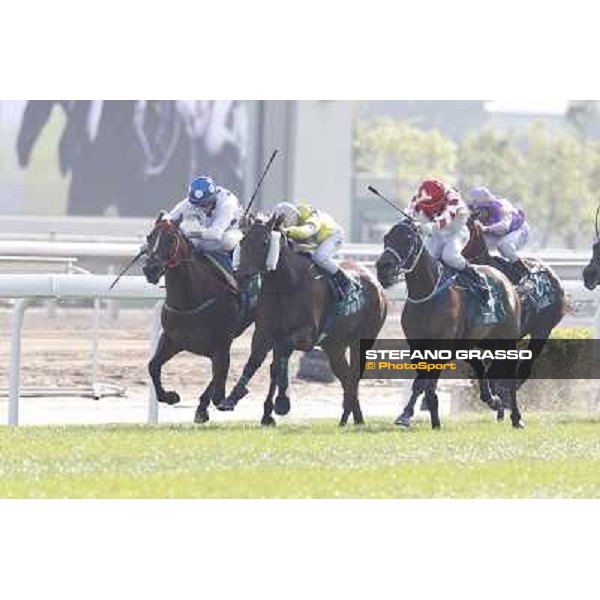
(295, 313)
(202, 314)
(436, 312)
(539, 315)
(591, 273)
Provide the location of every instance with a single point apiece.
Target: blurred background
(108, 166)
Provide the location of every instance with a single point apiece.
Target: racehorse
(591, 273)
(202, 312)
(297, 310)
(542, 308)
(438, 309)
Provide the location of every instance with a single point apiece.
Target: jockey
(318, 231)
(504, 226)
(210, 216)
(442, 216)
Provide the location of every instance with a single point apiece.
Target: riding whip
(131, 263)
(264, 173)
(378, 193)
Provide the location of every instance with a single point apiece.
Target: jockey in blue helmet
(210, 216)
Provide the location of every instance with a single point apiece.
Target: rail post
(155, 331)
(15, 360)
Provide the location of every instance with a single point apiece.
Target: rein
(182, 253)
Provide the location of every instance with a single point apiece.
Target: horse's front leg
(418, 387)
(259, 351)
(165, 350)
(281, 358)
(216, 388)
(486, 393)
(267, 418)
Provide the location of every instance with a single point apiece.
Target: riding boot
(343, 284)
(478, 282)
(519, 269)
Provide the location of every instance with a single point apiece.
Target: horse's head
(259, 249)
(166, 246)
(591, 273)
(402, 247)
(476, 249)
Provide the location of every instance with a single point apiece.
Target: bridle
(177, 255)
(412, 258)
(413, 255)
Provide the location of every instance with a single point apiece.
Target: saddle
(479, 313)
(507, 268)
(222, 264)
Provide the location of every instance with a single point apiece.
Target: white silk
(274, 249)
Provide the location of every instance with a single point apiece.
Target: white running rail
(25, 288)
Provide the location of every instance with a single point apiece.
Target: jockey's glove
(197, 233)
(427, 228)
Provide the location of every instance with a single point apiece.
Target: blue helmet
(202, 189)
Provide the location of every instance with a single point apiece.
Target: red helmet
(431, 197)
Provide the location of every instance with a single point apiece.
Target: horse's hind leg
(536, 345)
(204, 401)
(165, 350)
(258, 353)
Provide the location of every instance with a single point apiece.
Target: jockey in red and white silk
(442, 216)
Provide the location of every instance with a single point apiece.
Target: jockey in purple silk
(504, 226)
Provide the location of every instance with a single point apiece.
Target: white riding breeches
(323, 255)
(508, 244)
(449, 248)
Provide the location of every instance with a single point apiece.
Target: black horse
(202, 314)
(296, 311)
(441, 312)
(541, 294)
(591, 273)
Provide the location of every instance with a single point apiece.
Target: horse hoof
(494, 402)
(201, 416)
(359, 422)
(500, 416)
(226, 405)
(282, 405)
(268, 421)
(343, 423)
(403, 422)
(436, 427)
(170, 398)
(520, 424)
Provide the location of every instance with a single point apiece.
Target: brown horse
(538, 318)
(202, 313)
(296, 312)
(441, 312)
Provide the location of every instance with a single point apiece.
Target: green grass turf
(556, 456)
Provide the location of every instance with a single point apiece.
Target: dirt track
(56, 352)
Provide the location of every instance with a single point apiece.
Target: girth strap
(191, 311)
